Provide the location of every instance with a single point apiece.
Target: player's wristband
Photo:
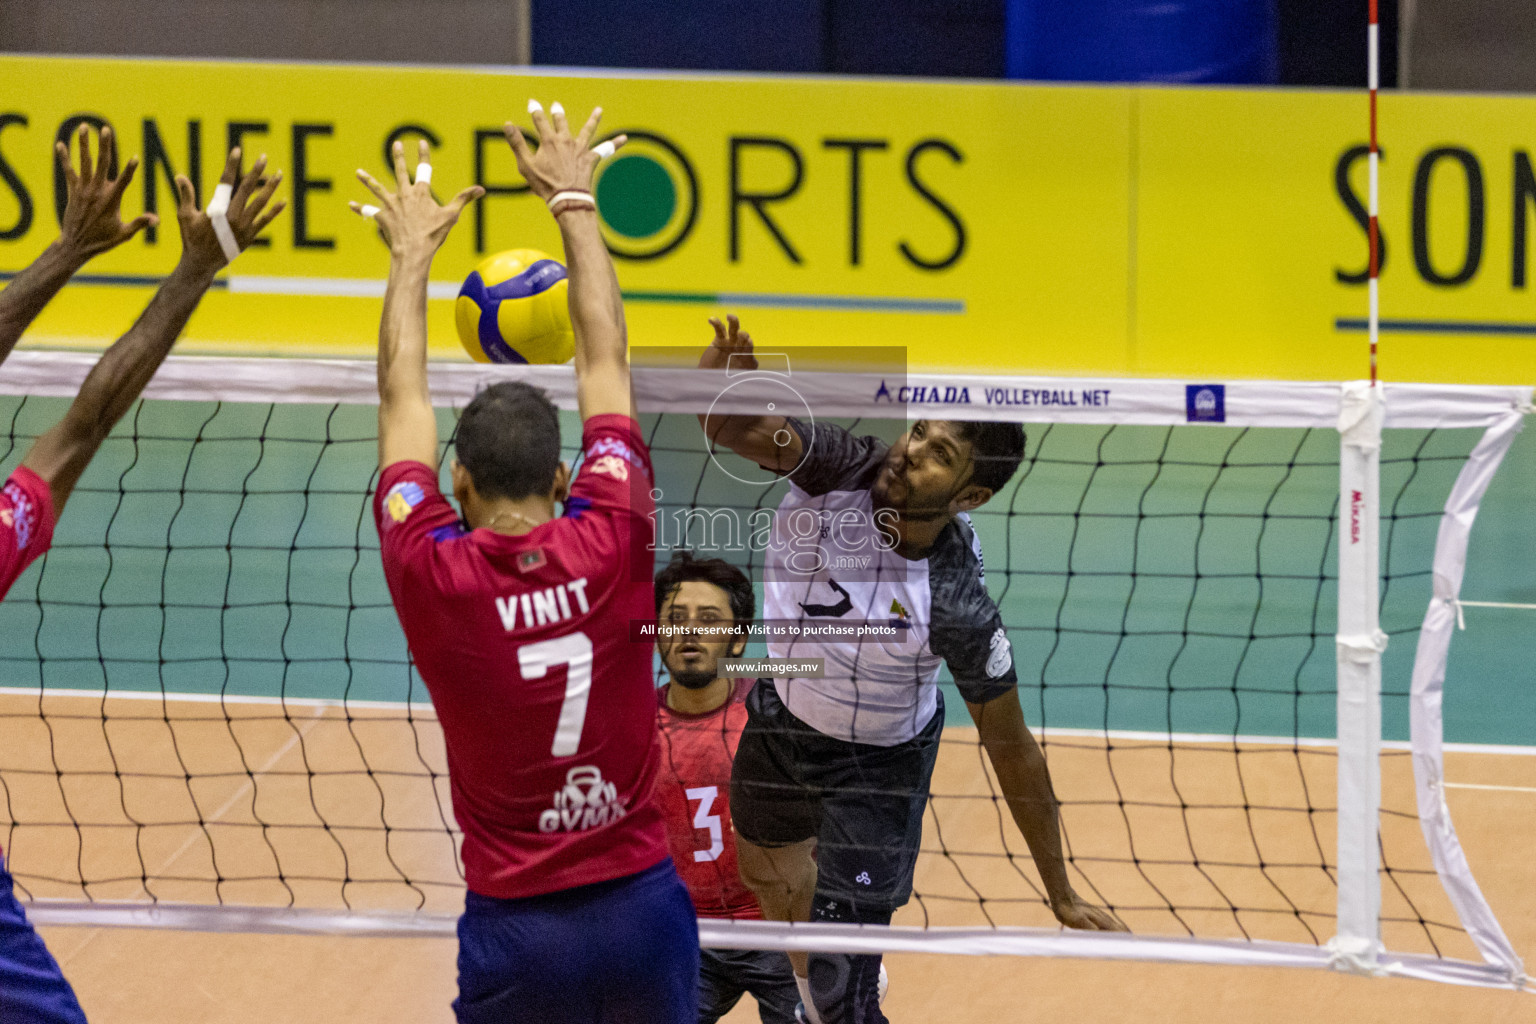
(218, 210)
(570, 199)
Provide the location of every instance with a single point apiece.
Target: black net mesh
(207, 697)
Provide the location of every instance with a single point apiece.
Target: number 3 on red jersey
(574, 650)
(705, 795)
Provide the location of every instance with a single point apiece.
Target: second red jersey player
(703, 607)
(694, 790)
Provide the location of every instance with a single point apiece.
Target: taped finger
(368, 210)
(218, 216)
(604, 150)
(423, 173)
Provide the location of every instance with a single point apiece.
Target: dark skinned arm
(1026, 784)
(116, 381)
(92, 225)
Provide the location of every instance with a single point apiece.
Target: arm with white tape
(414, 226)
(560, 172)
(61, 454)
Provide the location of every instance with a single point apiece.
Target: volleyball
(512, 309)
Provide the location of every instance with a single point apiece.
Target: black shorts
(862, 803)
(724, 974)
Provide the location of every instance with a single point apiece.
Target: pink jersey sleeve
(615, 471)
(26, 524)
(412, 516)
(609, 507)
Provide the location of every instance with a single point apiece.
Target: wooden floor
(1138, 816)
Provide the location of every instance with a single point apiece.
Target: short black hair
(996, 449)
(508, 439)
(685, 568)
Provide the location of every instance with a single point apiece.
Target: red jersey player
(520, 624)
(703, 606)
(32, 989)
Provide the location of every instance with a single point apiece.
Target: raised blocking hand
(248, 213)
(410, 220)
(563, 162)
(93, 221)
(731, 347)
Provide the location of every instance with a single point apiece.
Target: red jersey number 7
(574, 650)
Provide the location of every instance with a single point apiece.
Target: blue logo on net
(1205, 403)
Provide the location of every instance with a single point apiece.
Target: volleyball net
(1219, 598)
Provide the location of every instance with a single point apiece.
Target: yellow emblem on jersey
(402, 498)
(898, 611)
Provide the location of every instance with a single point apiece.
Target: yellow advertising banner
(1179, 232)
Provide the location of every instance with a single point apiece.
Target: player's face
(924, 471)
(698, 619)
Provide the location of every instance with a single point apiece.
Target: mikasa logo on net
(585, 801)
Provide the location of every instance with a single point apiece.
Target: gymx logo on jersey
(586, 801)
(21, 519)
(401, 498)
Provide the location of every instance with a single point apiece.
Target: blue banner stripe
(745, 300)
(1436, 326)
(117, 280)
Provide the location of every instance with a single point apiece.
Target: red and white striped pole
(1373, 63)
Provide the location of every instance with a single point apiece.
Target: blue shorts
(618, 952)
(32, 988)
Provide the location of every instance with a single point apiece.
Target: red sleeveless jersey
(26, 524)
(547, 703)
(694, 790)
(26, 530)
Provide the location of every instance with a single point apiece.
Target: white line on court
(1048, 734)
(1482, 785)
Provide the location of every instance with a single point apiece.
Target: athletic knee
(846, 988)
(775, 873)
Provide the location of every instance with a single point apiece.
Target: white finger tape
(556, 110)
(369, 211)
(218, 210)
(423, 173)
(535, 107)
(605, 149)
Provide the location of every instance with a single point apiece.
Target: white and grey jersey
(826, 566)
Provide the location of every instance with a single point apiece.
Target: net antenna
(1373, 83)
